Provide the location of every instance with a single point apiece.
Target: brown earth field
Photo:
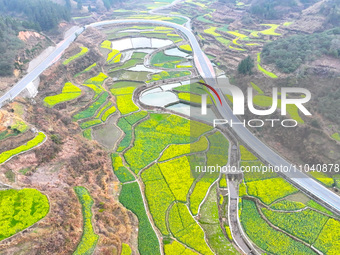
(55, 168)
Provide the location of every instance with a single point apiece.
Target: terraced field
(154, 158)
(20, 209)
(281, 208)
(89, 238)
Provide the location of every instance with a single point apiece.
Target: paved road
(30, 77)
(299, 179)
(234, 223)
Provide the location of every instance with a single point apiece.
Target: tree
(80, 4)
(68, 4)
(246, 66)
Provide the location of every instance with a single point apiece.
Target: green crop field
(135, 117)
(121, 84)
(120, 170)
(194, 88)
(29, 145)
(128, 64)
(237, 34)
(126, 250)
(211, 31)
(162, 129)
(95, 83)
(91, 110)
(271, 75)
(271, 30)
(108, 113)
(88, 134)
(328, 240)
(161, 58)
(202, 19)
(210, 223)
(266, 101)
(286, 205)
(158, 195)
(83, 51)
(267, 190)
(90, 123)
(125, 104)
(68, 93)
(104, 108)
(266, 237)
(89, 238)
(20, 209)
(199, 192)
(130, 196)
(186, 47)
(246, 155)
(315, 205)
(218, 152)
(336, 136)
(89, 68)
(193, 98)
(175, 248)
(124, 125)
(305, 225)
(175, 150)
(186, 230)
(223, 40)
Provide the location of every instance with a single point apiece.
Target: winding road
(308, 185)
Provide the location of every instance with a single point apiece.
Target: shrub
(246, 66)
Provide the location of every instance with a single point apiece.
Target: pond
(161, 98)
(193, 111)
(176, 52)
(139, 42)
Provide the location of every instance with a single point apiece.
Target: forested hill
(41, 14)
